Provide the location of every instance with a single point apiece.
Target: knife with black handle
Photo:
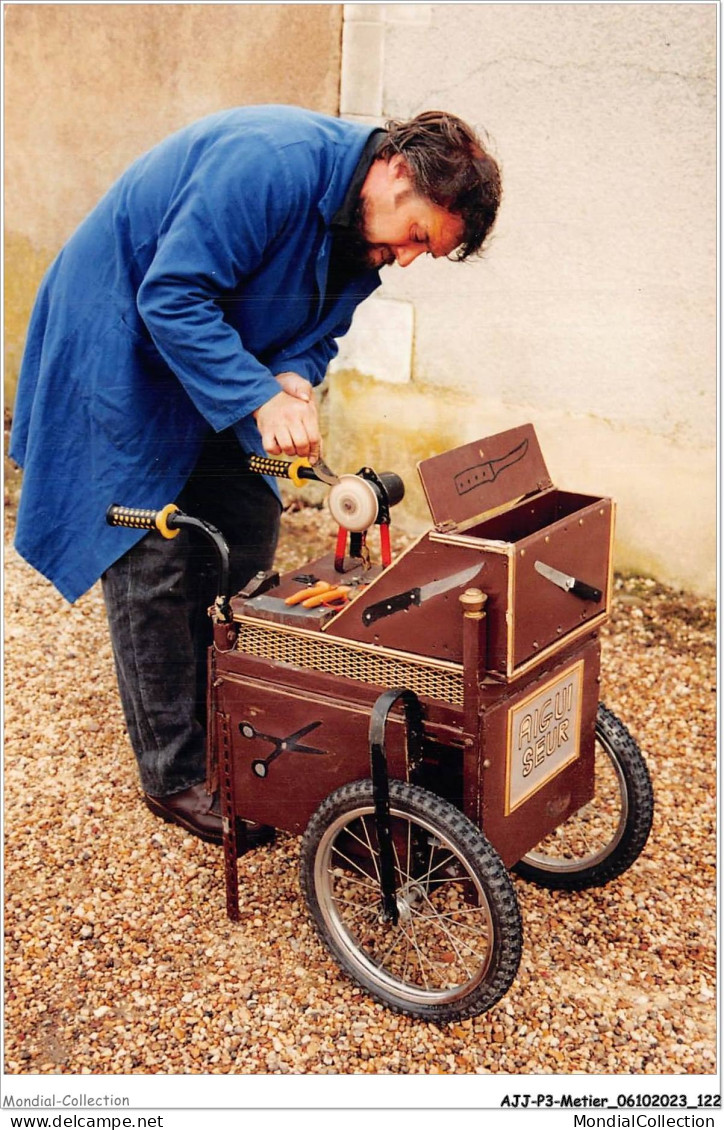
(414, 597)
(568, 583)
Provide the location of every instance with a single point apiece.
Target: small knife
(567, 583)
(417, 596)
(321, 470)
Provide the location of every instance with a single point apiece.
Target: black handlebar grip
(128, 516)
(265, 465)
(139, 519)
(294, 469)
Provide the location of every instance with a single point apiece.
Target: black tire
(606, 836)
(456, 948)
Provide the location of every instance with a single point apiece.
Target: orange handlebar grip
(138, 519)
(162, 521)
(294, 470)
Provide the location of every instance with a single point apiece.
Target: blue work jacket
(199, 275)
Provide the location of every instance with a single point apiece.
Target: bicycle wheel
(456, 946)
(602, 839)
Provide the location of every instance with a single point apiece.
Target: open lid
(470, 482)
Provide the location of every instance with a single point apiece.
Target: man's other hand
(288, 422)
(295, 385)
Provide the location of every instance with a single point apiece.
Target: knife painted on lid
(483, 473)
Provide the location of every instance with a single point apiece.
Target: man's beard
(355, 251)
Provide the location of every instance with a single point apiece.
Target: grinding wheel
(353, 503)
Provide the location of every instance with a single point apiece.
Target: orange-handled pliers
(340, 592)
(302, 596)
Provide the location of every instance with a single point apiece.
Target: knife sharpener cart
(440, 728)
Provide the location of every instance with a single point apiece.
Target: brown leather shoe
(196, 810)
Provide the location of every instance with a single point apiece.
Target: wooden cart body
(508, 680)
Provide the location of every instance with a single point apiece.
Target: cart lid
(471, 482)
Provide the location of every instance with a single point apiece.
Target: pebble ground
(119, 957)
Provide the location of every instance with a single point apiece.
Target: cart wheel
(606, 836)
(456, 946)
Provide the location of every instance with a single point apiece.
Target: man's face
(396, 225)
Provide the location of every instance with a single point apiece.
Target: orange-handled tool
(302, 596)
(341, 592)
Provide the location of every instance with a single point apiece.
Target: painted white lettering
(564, 700)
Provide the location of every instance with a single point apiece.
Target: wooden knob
(473, 603)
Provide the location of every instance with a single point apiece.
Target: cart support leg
(472, 602)
(228, 819)
(380, 782)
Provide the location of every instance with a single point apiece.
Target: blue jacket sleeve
(215, 233)
(312, 363)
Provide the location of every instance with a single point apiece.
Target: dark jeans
(157, 598)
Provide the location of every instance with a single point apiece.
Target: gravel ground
(119, 957)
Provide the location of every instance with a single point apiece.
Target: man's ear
(398, 168)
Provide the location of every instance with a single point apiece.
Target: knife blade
(414, 597)
(568, 583)
(321, 470)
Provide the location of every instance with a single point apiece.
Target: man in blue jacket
(186, 322)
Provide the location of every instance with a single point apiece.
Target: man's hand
(288, 422)
(295, 385)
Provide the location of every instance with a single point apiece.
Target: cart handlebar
(169, 521)
(137, 519)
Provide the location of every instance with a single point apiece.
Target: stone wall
(593, 312)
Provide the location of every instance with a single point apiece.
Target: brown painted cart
(434, 725)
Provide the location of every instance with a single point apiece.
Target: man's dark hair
(450, 166)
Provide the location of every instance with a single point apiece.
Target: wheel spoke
(443, 969)
(435, 918)
(426, 876)
(419, 954)
(351, 863)
(397, 934)
(404, 875)
(432, 919)
(450, 879)
(372, 851)
(431, 870)
(357, 910)
(363, 843)
(435, 921)
(403, 975)
(484, 933)
(369, 885)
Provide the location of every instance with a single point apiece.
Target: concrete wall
(89, 87)
(593, 312)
